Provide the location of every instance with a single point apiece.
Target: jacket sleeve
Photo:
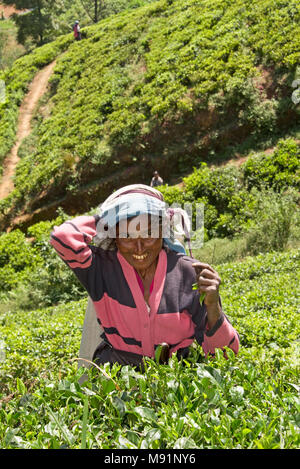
(71, 239)
(221, 335)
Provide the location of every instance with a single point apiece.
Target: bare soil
(8, 10)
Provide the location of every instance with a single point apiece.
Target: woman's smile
(140, 257)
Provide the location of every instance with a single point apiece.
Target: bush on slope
(166, 83)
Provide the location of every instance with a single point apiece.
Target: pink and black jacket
(174, 314)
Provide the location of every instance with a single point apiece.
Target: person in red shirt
(76, 30)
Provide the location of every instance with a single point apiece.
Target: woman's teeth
(140, 257)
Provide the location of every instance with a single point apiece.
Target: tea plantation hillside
(247, 401)
(164, 86)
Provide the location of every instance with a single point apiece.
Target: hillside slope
(164, 86)
(37, 89)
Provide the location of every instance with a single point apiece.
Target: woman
(140, 280)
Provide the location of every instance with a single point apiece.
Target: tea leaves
(246, 401)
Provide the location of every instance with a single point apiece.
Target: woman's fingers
(208, 281)
(202, 265)
(205, 271)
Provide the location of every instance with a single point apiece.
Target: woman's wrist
(214, 313)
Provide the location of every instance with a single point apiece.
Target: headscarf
(138, 199)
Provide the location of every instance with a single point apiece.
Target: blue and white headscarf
(139, 199)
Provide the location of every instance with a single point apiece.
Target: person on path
(140, 281)
(156, 180)
(76, 30)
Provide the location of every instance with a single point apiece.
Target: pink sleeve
(71, 239)
(220, 336)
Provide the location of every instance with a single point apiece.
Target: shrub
(136, 75)
(248, 401)
(271, 225)
(15, 250)
(227, 205)
(277, 170)
(218, 251)
(31, 274)
(173, 194)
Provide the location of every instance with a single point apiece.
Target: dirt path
(36, 90)
(8, 10)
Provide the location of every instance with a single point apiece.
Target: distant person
(156, 180)
(76, 29)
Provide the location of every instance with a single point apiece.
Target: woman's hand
(208, 281)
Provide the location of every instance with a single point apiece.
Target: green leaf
(184, 443)
(84, 422)
(236, 393)
(119, 405)
(21, 386)
(124, 443)
(145, 413)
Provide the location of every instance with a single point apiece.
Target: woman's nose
(139, 245)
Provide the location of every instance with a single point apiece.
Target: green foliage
(173, 194)
(36, 23)
(10, 50)
(249, 401)
(233, 196)
(164, 79)
(46, 20)
(17, 80)
(17, 259)
(221, 250)
(217, 186)
(31, 273)
(271, 225)
(278, 170)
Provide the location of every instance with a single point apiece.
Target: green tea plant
(170, 81)
(235, 198)
(248, 401)
(278, 170)
(31, 273)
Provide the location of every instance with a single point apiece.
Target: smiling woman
(140, 280)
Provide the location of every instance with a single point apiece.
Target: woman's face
(139, 242)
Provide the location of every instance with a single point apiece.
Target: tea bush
(249, 401)
(271, 225)
(279, 170)
(30, 271)
(233, 197)
(168, 79)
